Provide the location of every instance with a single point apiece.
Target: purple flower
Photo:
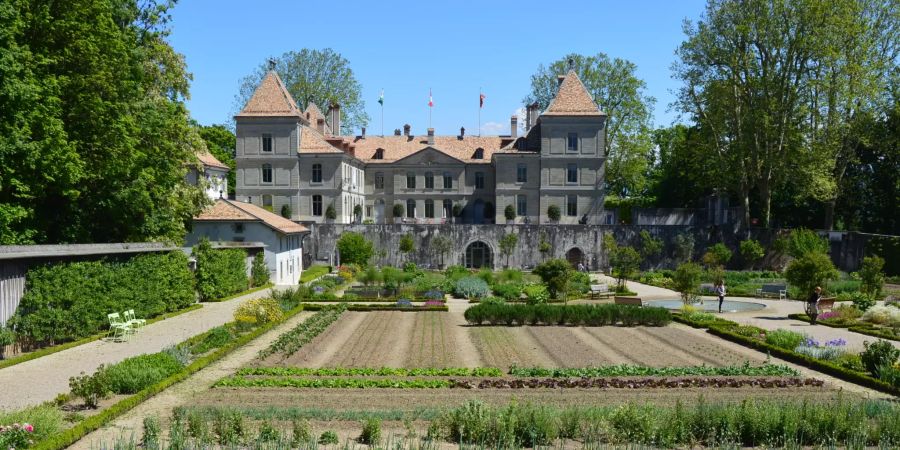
(836, 343)
(810, 342)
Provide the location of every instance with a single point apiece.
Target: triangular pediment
(429, 156)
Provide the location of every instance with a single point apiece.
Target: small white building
(233, 221)
(214, 172)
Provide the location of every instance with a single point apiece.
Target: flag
(481, 100)
(381, 98)
(430, 101)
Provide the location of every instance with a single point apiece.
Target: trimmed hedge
(220, 272)
(588, 315)
(70, 301)
(241, 294)
(861, 328)
(366, 308)
(72, 435)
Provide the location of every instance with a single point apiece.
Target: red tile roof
(399, 147)
(209, 160)
(229, 210)
(269, 99)
(572, 99)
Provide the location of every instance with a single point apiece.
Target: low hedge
(240, 294)
(687, 320)
(803, 360)
(80, 430)
(313, 272)
(588, 315)
(365, 300)
(365, 308)
(861, 328)
(220, 272)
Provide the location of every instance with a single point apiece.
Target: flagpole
(479, 111)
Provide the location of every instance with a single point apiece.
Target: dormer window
(267, 143)
(379, 153)
(479, 153)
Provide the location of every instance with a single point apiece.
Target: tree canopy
(323, 77)
(220, 141)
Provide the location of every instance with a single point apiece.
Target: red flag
(481, 100)
(430, 101)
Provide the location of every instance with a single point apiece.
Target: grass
(46, 419)
(240, 294)
(314, 272)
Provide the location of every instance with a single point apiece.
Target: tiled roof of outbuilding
(229, 210)
(209, 160)
(572, 99)
(270, 98)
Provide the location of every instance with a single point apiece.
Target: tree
(330, 213)
(407, 245)
(96, 140)
(457, 210)
(717, 256)
(354, 248)
(615, 87)
(810, 270)
(624, 261)
(398, 210)
(684, 247)
(286, 211)
(555, 273)
(544, 247)
(221, 142)
(322, 77)
(751, 252)
(369, 276)
(686, 280)
(508, 244)
(682, 167)
(553, 213)
(651, 246)
(259, 272)
(802, 242)
(509, 212)
(872, 276)
(441, 245)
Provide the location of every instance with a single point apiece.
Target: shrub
(553, 213)
(686, 280)
(354, 248)
(860, 301)
(220, 272)
(785, 339)
(371, 432)
(487, 275)
(717, 255)
(877, 354)
(872, 277)
(536, 294)
(90, 388)
(510, 276)
(46, 420)
(407, 245)
(134, 374)
(258, 311)
(651, 246)
(587, 315)
(69, 301)
(809, 271)
(214, 338)
(286, 211)
(398, 210)
(330, 213)
(301, 433)
(454, 273)
(684, 247)
(7, 337)
(259, 273)
(751, 252)
(471, 287)
(556, 274)
(508, 291)
(883, 315)
(509, 212)
(802, 242)
(328, 438)
(624, 262)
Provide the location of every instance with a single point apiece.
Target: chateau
(297, 163)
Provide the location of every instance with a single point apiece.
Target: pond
(709, 305)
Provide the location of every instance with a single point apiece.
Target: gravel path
(41, 379)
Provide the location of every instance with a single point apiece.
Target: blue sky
(408, 47)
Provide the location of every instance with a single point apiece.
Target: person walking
(812, 304)
(720, 292)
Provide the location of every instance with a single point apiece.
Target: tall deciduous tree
(618, 91)
(95, 139)
(323, 77)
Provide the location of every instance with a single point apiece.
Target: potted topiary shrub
(286, 211)
(509, 213)
(330, 214)
(457, 211)
(398, 211)
(553, 213)
(357, 213)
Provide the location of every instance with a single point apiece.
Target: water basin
(709, 305)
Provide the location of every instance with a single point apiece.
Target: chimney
(363, 133)
(532, 115)
(335, 119)
(513, 126)
(431, 136)
(406, 129)
(320, 125)
(559, 79)
(396, 132)
(462, 133)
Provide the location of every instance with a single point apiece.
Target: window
(267, 202)
(448, 209)
(411, 209)
(571, 205)
(521, 173)
(267, 173)
(317, 205)
(429, 180)
(521, 206)
(316, 173)
(448, 180)
(572, 173)
(479, 180)
(410, 180)
(379, 180)
(238, 228)
(572, 142)
(429, 209)
(479, 153)
(379, 153)
(267, 143)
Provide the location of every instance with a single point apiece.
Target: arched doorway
(575, 256)
(478, 255)
(478, 211)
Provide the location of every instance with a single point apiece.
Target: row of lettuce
(68, 301)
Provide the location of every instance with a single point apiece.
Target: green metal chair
(118, 329)
(133, 322)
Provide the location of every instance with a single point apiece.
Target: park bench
(633, 301)
(778, 290)
(825, 304)
(600, 290)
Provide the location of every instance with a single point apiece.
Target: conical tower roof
(270, 98)
(572, 99)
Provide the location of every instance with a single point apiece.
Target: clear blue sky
(408, 47)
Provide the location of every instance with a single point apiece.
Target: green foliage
(328, 438)
(68, 301)
(684, 247)
(258, 311)
(354, 248)
(510, 276)
(134, 374)
(7, 337)
(457, 210)
(509, 212)
(221, 142)
(91, 388)
(508, 244)
(371, 372)
(214, 338)
(369, 276)
(877, 354)
(553, 213)
(407, 244)
(290, 342)
(536, 294)
(286, 211)
(259, 273)
(625, 370)
(624, 261)
(371, 432)
(810, 270)
(330, 212)
(651, 246)
(313, 272)
(686, 280)
(872, 277)
(717, 256)
(802, 242)
(398, 210)
(785, 339)
(301, 433)
(220, 272)
(751, 252)
(508, 291)
(555, 273)
(585, 315)
(471, 287)
(332, 383)
(441, 245)
(46, 419)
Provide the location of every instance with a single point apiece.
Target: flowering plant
(434, 294)
(434, 303)
(836, 343)
(16, 435)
